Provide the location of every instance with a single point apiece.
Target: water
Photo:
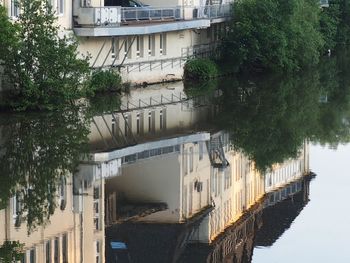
(215, 173)
(320, 233)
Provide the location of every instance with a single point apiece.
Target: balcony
(324, 3)
(116, 20)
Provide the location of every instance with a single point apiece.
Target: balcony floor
(140, 29)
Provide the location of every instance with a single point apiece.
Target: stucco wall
(151, 180)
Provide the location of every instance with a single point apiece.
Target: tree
(37, 153)
(11, 251)
(8, 36)
(274, 35)
(46, 69)
(270, 117)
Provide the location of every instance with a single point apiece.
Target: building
(147, 42)
(288, 171)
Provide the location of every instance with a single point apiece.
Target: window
(16, 210)
(48, 251)
(65, 248)
(190, 201)
(200, 146)
(32, 256)
(139, 46)
(125, 47)
(162, 44)
(151, 121)
(184, 201)
(96, 207)
(57, 250)
(113, 49)
(113, 127)
(127, 125)
(184, 161)
(139, 123)
(191, 159)
(63, 194)
(60, 7)
(15, 8)
(97, 252)
(161, 119)
(151, 45)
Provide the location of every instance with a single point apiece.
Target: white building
(69, 236)
(147, 44)
(290, 170)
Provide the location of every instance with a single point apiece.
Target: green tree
(37, 153)
(11, 251)
(274, 35)
(269, 118)
(329, 24)
(46, 69)
(8, 37)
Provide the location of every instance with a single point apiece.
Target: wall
(151, 180)
(177, 118)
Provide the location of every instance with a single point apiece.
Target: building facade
(147, 42)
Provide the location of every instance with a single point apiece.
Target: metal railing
(324, 3)
(214, 11)
(115, 15)
(148, 13)
(98, 16)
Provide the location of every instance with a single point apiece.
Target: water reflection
(170, 175)
(262, 225)
(265, 113)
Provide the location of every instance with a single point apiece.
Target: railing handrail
(152, 13)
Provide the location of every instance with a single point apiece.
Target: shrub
(200, 69)
(105, 81)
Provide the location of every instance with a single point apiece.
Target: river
(231, 170)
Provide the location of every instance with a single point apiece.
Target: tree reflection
(271, 117)
(37, 153)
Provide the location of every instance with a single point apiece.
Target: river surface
(231, 170)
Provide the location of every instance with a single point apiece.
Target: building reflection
(260, 226)
(160, 184)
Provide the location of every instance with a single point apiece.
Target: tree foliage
(8, 40)
(270, 117)
(37, 152)
(335, 23)
(277, 35)
(11, 251)
(44, 67)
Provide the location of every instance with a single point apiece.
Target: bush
(200, 69)
(105, 81)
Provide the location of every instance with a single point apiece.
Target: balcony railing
(150, 13)
(116, 15)
(214, 11)
(324, 3)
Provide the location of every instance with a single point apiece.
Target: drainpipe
(6, 224)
